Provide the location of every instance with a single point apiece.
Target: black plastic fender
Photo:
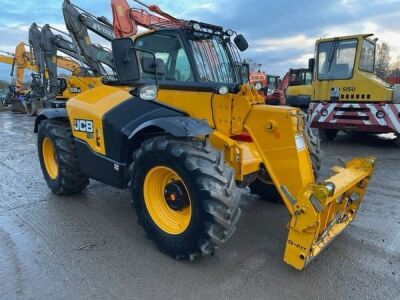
(124, 122)
(177, 126)
(50, 113)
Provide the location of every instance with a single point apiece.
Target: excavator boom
(78, 23)
(126, 19)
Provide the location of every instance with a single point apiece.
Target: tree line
(383, 66)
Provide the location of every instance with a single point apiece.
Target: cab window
(169, 52)
(336, 59)
(367, 58)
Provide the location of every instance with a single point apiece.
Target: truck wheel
(185, 196)
(58, 158)
(327, 134)
(263, 185)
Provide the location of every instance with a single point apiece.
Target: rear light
(242, 138)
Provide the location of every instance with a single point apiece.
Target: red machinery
(270, 86)
(126, 19)
(394, 80)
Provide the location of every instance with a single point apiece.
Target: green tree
(382, 64)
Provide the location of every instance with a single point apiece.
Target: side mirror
(125, 59)
(311, 64)
(241, 42)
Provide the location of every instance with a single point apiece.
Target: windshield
(367, 59)
(216, 60)
(336, 59)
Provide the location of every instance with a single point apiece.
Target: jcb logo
(83, 125)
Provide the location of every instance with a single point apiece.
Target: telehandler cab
(184, 132)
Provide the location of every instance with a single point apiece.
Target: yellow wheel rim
(49, 158)
(159, 198)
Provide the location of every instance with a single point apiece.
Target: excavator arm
(6, 59)
(78, 23)
(126, 19)
(22, 61)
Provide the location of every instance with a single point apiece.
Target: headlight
(196, 26)
(229, 32)
(148, 92)
(324, 112)
(223, 90)
(258, 86)
(380, 114)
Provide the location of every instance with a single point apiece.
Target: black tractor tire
(327, 134)
(69, 179)
(214, 196)
(263, 185)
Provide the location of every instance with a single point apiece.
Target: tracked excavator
(20, 61)
(185, 133)
(82, 78)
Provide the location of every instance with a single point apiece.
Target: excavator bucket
(319, 210)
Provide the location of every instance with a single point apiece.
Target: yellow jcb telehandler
(184, 132)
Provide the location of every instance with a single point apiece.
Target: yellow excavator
(50, 87)
(184, 131)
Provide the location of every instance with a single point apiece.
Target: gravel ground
(90, 246)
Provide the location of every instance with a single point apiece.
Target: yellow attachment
(49, 158)
(322, 211)
(319, 211)
(167, 219)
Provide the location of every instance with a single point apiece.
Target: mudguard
(177, 126)
(50, 113)
(123, 123)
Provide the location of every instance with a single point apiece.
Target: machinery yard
(90, 246)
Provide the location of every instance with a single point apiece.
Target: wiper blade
(332, 54)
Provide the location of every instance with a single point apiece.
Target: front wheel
(185, 196)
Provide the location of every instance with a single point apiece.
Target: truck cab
(346, 93)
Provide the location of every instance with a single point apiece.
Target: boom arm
(6, 59)
(22, 61)
(78, 24)
(126, 19)
(36, 53)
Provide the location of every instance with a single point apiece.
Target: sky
(281, 34)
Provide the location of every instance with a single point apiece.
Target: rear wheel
(58, 158)
(327, 134)
(185, 196)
